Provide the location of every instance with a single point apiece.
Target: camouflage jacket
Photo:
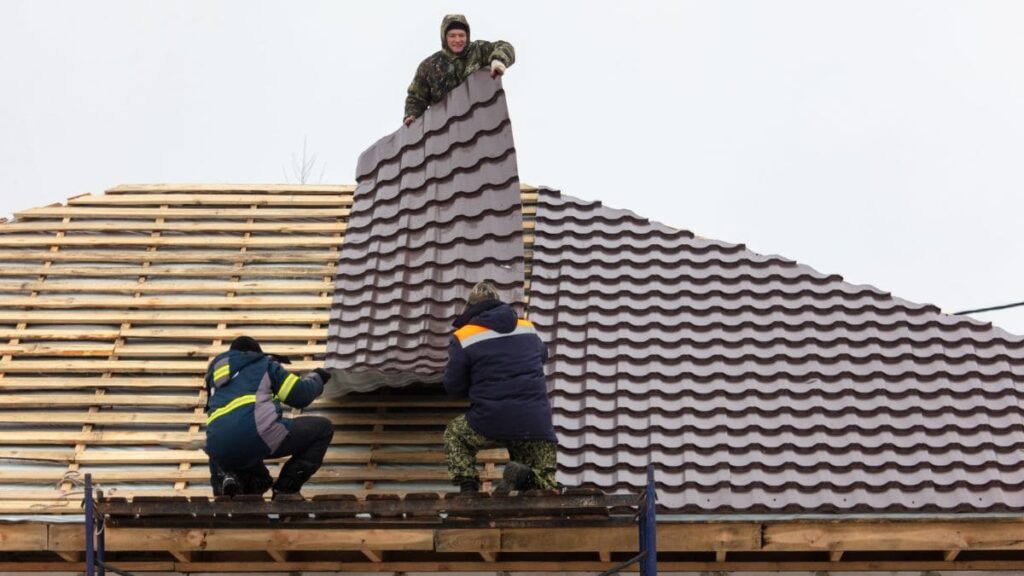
(444, 70)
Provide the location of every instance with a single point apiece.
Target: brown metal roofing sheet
(437, 208)
(755, 384)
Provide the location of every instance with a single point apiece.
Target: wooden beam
(197, 213)
(375, 556)
(226, 333)
(58, 334)
(40, 455)
(20, 566)
(950, 555)
(488, 556)
(71, 556)
(671, 538)
(604, 556)
(233, 188)
(118, 438)
(51, 417)
(150, 302)
(200, 199)
(468, 540)
(97, 365)
(327, 474)
(62, 349)
(307, 256)
(303, 334)
(182, 555)
(720, 555)
(178, 417)
(995, 534)
(27, 536)
(171, 287)
(71, 538)
(57, 504)
(447, 566)
(70, 399)
(72, 383)
(209, 317)
(835, 555)
(278, 555)
(284, 241)
(98, 455)
(171, 271)
(527, 190)
(150, 226)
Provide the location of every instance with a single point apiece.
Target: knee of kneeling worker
(325, 428)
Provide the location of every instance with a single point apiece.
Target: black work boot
(292, 477)
(230, 485)
(287, 497)
(517, 476)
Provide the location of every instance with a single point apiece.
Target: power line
(990, 309)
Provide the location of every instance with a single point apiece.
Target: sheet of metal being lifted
(437, 209)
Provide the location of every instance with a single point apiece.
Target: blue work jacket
(497, 361)
(245, 390)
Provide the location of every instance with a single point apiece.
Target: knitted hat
(246, 344)
(456, 25)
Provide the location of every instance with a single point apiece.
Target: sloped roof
(753, 383)
(112, 305)
(759, 385)
(437, 209)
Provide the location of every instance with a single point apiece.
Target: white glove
(497, 68)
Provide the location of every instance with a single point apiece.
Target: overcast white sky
(881, 140)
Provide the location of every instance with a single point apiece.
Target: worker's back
(500, 367)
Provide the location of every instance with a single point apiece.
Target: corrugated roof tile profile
(758, 385)
(437, 208)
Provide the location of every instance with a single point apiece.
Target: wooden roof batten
(111, 306)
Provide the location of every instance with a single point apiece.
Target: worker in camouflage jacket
(458, 58)
(244, 423)
(497, 361)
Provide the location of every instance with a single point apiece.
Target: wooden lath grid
(112, 305)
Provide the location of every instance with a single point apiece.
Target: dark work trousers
(306, 443)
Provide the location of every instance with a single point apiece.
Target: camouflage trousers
(461, 443)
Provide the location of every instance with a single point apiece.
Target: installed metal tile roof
(758, 385)
(437, 208)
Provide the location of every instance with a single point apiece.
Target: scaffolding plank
(23, 536)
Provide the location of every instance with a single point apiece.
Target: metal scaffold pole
(649, 528)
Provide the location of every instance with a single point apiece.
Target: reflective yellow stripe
(286, 388)
(240, 401)
(222, 371)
